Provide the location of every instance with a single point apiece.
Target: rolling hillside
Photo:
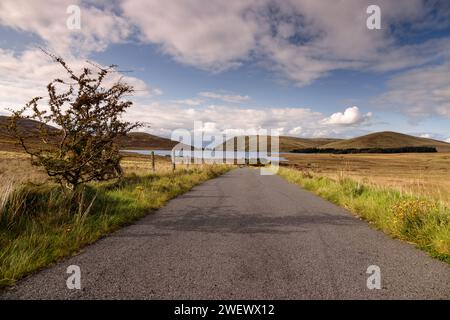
(290, 143)
(375, 140)
(29, 127)
(388, 139)
(142, 140)
(134, 140)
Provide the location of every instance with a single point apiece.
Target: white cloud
(419, 93)
(100, 26)
(189, 102)
(296, 131)
(231, 98)
(206, 96)
(212, 34)
(426, 135)
(164, 118)
(301, 39)
(351, 116)
(26, 75)
(447, 140)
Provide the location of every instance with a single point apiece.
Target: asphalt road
(244, 236)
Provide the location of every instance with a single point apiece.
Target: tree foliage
(87, 114)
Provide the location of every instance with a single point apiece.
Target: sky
(306, 68)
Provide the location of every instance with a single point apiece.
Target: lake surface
(211, 155)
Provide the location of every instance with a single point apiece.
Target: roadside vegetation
(77, 186)
(40, 223)
(416, 219)
(421, 174)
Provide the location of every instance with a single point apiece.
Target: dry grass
(142, 164)
(422, 221)
(421, 174)
(15, 168)
(39, 223)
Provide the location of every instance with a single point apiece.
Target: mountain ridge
(134, 140)
(142, 140)
(383, 139)
(388, 139)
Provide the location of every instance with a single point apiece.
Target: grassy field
(40, 224)
(406, 195)
(421, 174)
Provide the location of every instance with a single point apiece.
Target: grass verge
(41, 224)
(421, 221)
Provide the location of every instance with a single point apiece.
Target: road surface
(244, 236)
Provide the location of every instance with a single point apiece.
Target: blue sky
(300, 67)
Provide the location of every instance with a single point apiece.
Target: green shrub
(411, 215)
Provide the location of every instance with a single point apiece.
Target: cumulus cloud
(303, 40)
(447, 140)
(100, 26)
(420, 92)
(350, 117)
(163, 118)
(213, 34)
(221, 96)
(189, 102)
(296, 131)
(26, 75)
(225, 97)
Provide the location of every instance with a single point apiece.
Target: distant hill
(287, 144)
(142, 140)
(290, 143)
(134, 140)
(371, 141)
(29, 127)
(388, 139)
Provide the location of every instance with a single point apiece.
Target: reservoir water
(212, 155)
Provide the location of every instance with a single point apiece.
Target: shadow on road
(207, 219)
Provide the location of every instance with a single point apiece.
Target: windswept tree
(87, 114)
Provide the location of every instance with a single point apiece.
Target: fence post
(153, 161)
(173, 160)
(188, 160)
